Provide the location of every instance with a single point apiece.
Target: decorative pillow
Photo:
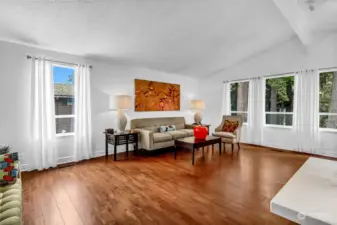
(9, 168)
(167, 128)
(230, 126)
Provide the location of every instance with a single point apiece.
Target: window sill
(278, 126)
(65, 134)
(328, 130)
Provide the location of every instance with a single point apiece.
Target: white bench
(310, 196)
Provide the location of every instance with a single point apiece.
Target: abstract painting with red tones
(156, 96)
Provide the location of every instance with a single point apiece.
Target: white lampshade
(197, 104)
(120, 102)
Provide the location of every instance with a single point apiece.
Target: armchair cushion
(161, 137)
(230, 126)
(224, 135)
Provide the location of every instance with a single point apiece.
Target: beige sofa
(152, 139)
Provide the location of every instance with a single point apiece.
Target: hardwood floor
(157, 189)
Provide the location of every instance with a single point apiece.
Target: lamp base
(121, 120)
(197, 117)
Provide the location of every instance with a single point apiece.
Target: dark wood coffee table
(191, 143)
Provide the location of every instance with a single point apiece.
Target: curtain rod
(279, 74)
(55, 61)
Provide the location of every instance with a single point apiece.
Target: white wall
(287, 57)
(107, 79)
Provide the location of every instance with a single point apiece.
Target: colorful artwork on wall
(156, 96)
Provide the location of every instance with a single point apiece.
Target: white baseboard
(64, 160)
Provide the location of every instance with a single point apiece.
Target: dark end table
(192, 143)
(121, 138)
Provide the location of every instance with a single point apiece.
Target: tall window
(64, 99)
(239, 99)
(279, 101)
(328, 100)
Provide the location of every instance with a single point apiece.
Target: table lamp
(121, 103)
(197, 106)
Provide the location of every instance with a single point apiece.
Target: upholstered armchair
(227, 137)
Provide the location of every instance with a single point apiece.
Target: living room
(88, 173)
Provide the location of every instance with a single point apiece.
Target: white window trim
(234, 82)
(327, 129)
(63, 116)
(277, 113)
(65, 134)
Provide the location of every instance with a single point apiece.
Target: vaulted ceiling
(194, 38)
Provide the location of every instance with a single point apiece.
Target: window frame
(319, 101)
(230, 106)
(278, 113)
(67, 66)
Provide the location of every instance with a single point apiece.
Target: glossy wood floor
(160, 190)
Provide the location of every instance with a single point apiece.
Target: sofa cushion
(223, 134)
(161, 137)
(190, 132)
(180, 126)
(153, 129)
(177, 134)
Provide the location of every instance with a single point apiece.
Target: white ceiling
(196, 38)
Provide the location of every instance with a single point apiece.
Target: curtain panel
(226, 103)
(83, 126)
(306, 111)
(256, 118)
(42, 128)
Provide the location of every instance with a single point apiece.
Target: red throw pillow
(230, 126)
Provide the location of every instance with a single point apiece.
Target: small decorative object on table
(200, 132)
(110, 131)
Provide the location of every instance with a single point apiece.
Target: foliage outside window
(328, 100)
(279, 100)
(239, 99)
(64, 99)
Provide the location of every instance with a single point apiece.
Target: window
(328, 100)
(279, 98)
(239, 99)
(64, 99)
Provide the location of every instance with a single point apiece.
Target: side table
(121, 138)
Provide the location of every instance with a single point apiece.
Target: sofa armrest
(219, 128)
(146, 138)
(189, 126)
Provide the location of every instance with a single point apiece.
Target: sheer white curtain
(256, 116)
(83, 126)
(43, 150)
(306, 111)
(226, 104)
